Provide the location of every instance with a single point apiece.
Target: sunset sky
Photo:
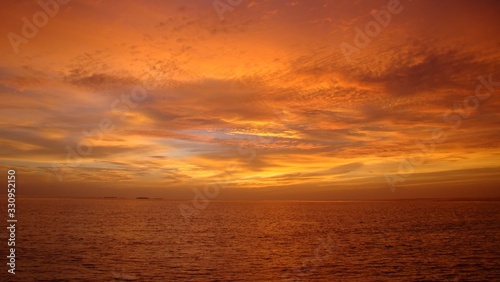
(270, 99)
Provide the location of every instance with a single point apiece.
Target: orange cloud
(267, 90)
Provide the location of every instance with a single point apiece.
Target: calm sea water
(149, 240)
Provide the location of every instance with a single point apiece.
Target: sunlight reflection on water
(128, 240)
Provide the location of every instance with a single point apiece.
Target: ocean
(150, 240)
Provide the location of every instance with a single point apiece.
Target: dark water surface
(149, 240)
